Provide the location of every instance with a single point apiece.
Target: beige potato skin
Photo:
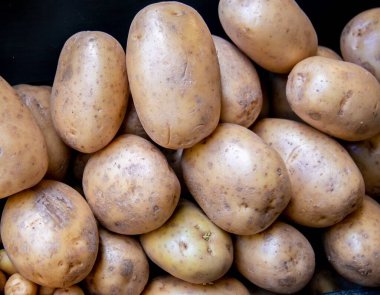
(121, 267)
(42, 290)
(37, 99)
(17, 284)
(6, 264)
(169, 285)
(131, 123)
(326, 183)
(339, 98)
(327, 52)
(130, 186)
(189, 246)
(241, 90)
(279, 259)
(72, 290)
(50, 234)
(360, 41)
(352, 246)
(234, 173)
(170, 49)
(90, 91)
(276, 34)
(23, 153)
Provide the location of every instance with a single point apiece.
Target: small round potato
(275, 34)
(72, 290)
(189, 246)
(50, 234)
(6, 264)
(234, 173)
(326, 183)
(327, 52)
(37, 99)
(121, 267)
(130, 186)
(17, 285)
(241, 90)
(169, 285)
(353, 245)
(90, 91)
(339, 98)
(279, 259)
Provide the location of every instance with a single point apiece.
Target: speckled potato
(276, 34)
(130, 187)
(50, 234)
(121, 267)
(17, 285)
(241, 90)
(326, 183)
(279, 259)
(360, 41)
(337, 97)
(37, 99)
(174, 74)
(23, 153)
(131, 123)
(169, 285)
(189, 246)
(327, 52)
(353, 245)
(73, 290)
(90, 91)
(234, 173)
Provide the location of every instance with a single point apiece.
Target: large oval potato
(279, 259)
(234, 173)
(326, 183)
(174, 74)
(276, 34)
(352, 246)
(130, 186)
(189, 246)
(37, 99)
(50, 234)
(337, 97)
(23, 153)
(90, 91)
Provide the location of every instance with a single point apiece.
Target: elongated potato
(90, 91)
(174, 74)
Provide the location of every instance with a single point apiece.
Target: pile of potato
(161, 170)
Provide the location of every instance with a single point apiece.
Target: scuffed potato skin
(17, 285)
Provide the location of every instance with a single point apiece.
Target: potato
(174, 74)
(50, 234)
(130, 187)
(339, 98)
(169, 285)
(42, 290)
(326, 183)
(121, 267)
(37, 99)
(6, 264)
(327, 52)
(23, 154)
(323, 281)
(360, 40)
(189, 246)
(73, 290)
(352, 246)
(241, 90)
(131, 123)
(234, 173)
(90, 91)
(3, 280)
(17, 285)
(279, 259)
(275, 34)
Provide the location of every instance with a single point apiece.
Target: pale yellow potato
(360, 41)
(90, 91)
(275, 34)
(37, 99)
(72, 290)
(169, 285)
(131, 123)
(174, 74)
(326, 183)
(42, 290)
(327, 52)
(352, 246)
(189, 246)
(234, 173)
(50, 234)
(6, 264)
(279, 259)
(130, 187)
(121, 267)
(17, 285)
(23, 153)
(242, 98)
(339, 98)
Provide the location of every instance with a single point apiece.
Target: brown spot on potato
(346, 96)
(315, 116)
(127, 268)
(287, 281)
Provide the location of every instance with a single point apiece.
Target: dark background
(32, 32)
